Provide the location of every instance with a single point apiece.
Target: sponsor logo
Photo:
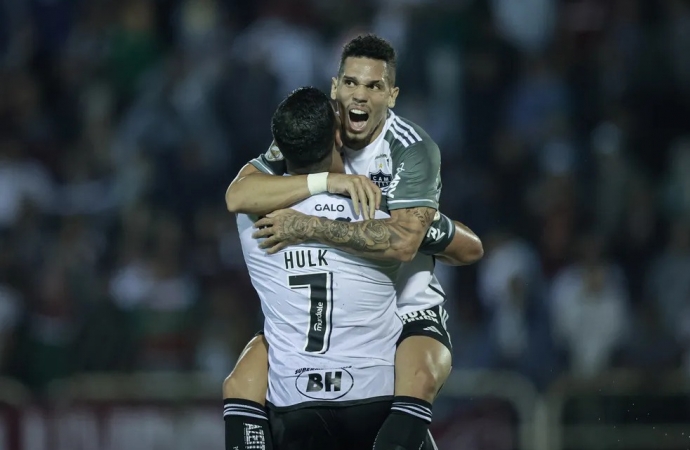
(396, 180)
(320, 384)
(435, 234)
(326, 207)
(426, 314)
(254, 438)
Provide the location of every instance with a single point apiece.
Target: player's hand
(360, 189)
(281, 229)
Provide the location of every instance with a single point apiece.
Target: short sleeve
(270, 162)
(417, 178)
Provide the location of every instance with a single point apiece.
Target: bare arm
(253, 192)
(465, 248)
(258, 193)
(396, 238)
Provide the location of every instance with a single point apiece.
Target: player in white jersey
(405, 162)
(330, 317)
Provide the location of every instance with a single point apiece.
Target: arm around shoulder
(254, 192)
(465, 248)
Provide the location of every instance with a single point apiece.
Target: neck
(321, 166)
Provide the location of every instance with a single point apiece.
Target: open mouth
(357, 119)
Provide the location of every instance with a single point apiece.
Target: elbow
(232, 203)
(236, 202)
(407, 251)
(475, 252)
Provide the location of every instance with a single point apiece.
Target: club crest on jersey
(273, 154)
(380, 179)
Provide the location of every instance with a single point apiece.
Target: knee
(428, 380)
(422, 367)
(232, 387)
(236, 386)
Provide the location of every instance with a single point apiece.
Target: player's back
(329, 316)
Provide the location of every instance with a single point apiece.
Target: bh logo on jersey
(325, 384)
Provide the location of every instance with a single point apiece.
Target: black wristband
(439, 236)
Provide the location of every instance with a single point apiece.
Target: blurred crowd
(565, 139)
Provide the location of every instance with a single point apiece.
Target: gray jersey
(405, 163)
(330, 317)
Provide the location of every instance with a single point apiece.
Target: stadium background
(564, 127)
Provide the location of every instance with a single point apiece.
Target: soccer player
(330, 317)
(405, 163)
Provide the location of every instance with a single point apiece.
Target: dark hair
(372, 47)
(303, 127)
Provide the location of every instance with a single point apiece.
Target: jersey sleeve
(271, 162)
(417, 178)
(440, 234)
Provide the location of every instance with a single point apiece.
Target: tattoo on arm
(424, 215)
(370, 238)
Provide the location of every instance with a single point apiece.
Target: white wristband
(317, 183)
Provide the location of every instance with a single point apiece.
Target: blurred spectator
(538, 103)
(677, 188)
(511, 289)
(652, 347)
(48, 337)
(21, 181)
(529, 25)
(220, 345)
(10, 314)
(133, 47)
(161, 300)
(589, 310)
(668, 283)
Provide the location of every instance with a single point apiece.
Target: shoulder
(271, 162)
(406, 138)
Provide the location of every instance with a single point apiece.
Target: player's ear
(394, 95)
(338, 139)
(336, 162)
(334, 88)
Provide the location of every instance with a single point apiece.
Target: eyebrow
(371, 83)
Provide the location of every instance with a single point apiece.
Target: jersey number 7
(320, 285)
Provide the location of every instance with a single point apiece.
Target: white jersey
(385, 161)
(330, 317)
(405, 163)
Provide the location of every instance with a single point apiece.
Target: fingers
(354, 195)
(276, 248)
(263, 233)
(372, 198)
(365, 195)
(264, 222)
(270, 242)
(364, 201)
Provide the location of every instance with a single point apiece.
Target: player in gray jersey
(405, 163)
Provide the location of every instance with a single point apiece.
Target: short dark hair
(372, 47)
(303, 127)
